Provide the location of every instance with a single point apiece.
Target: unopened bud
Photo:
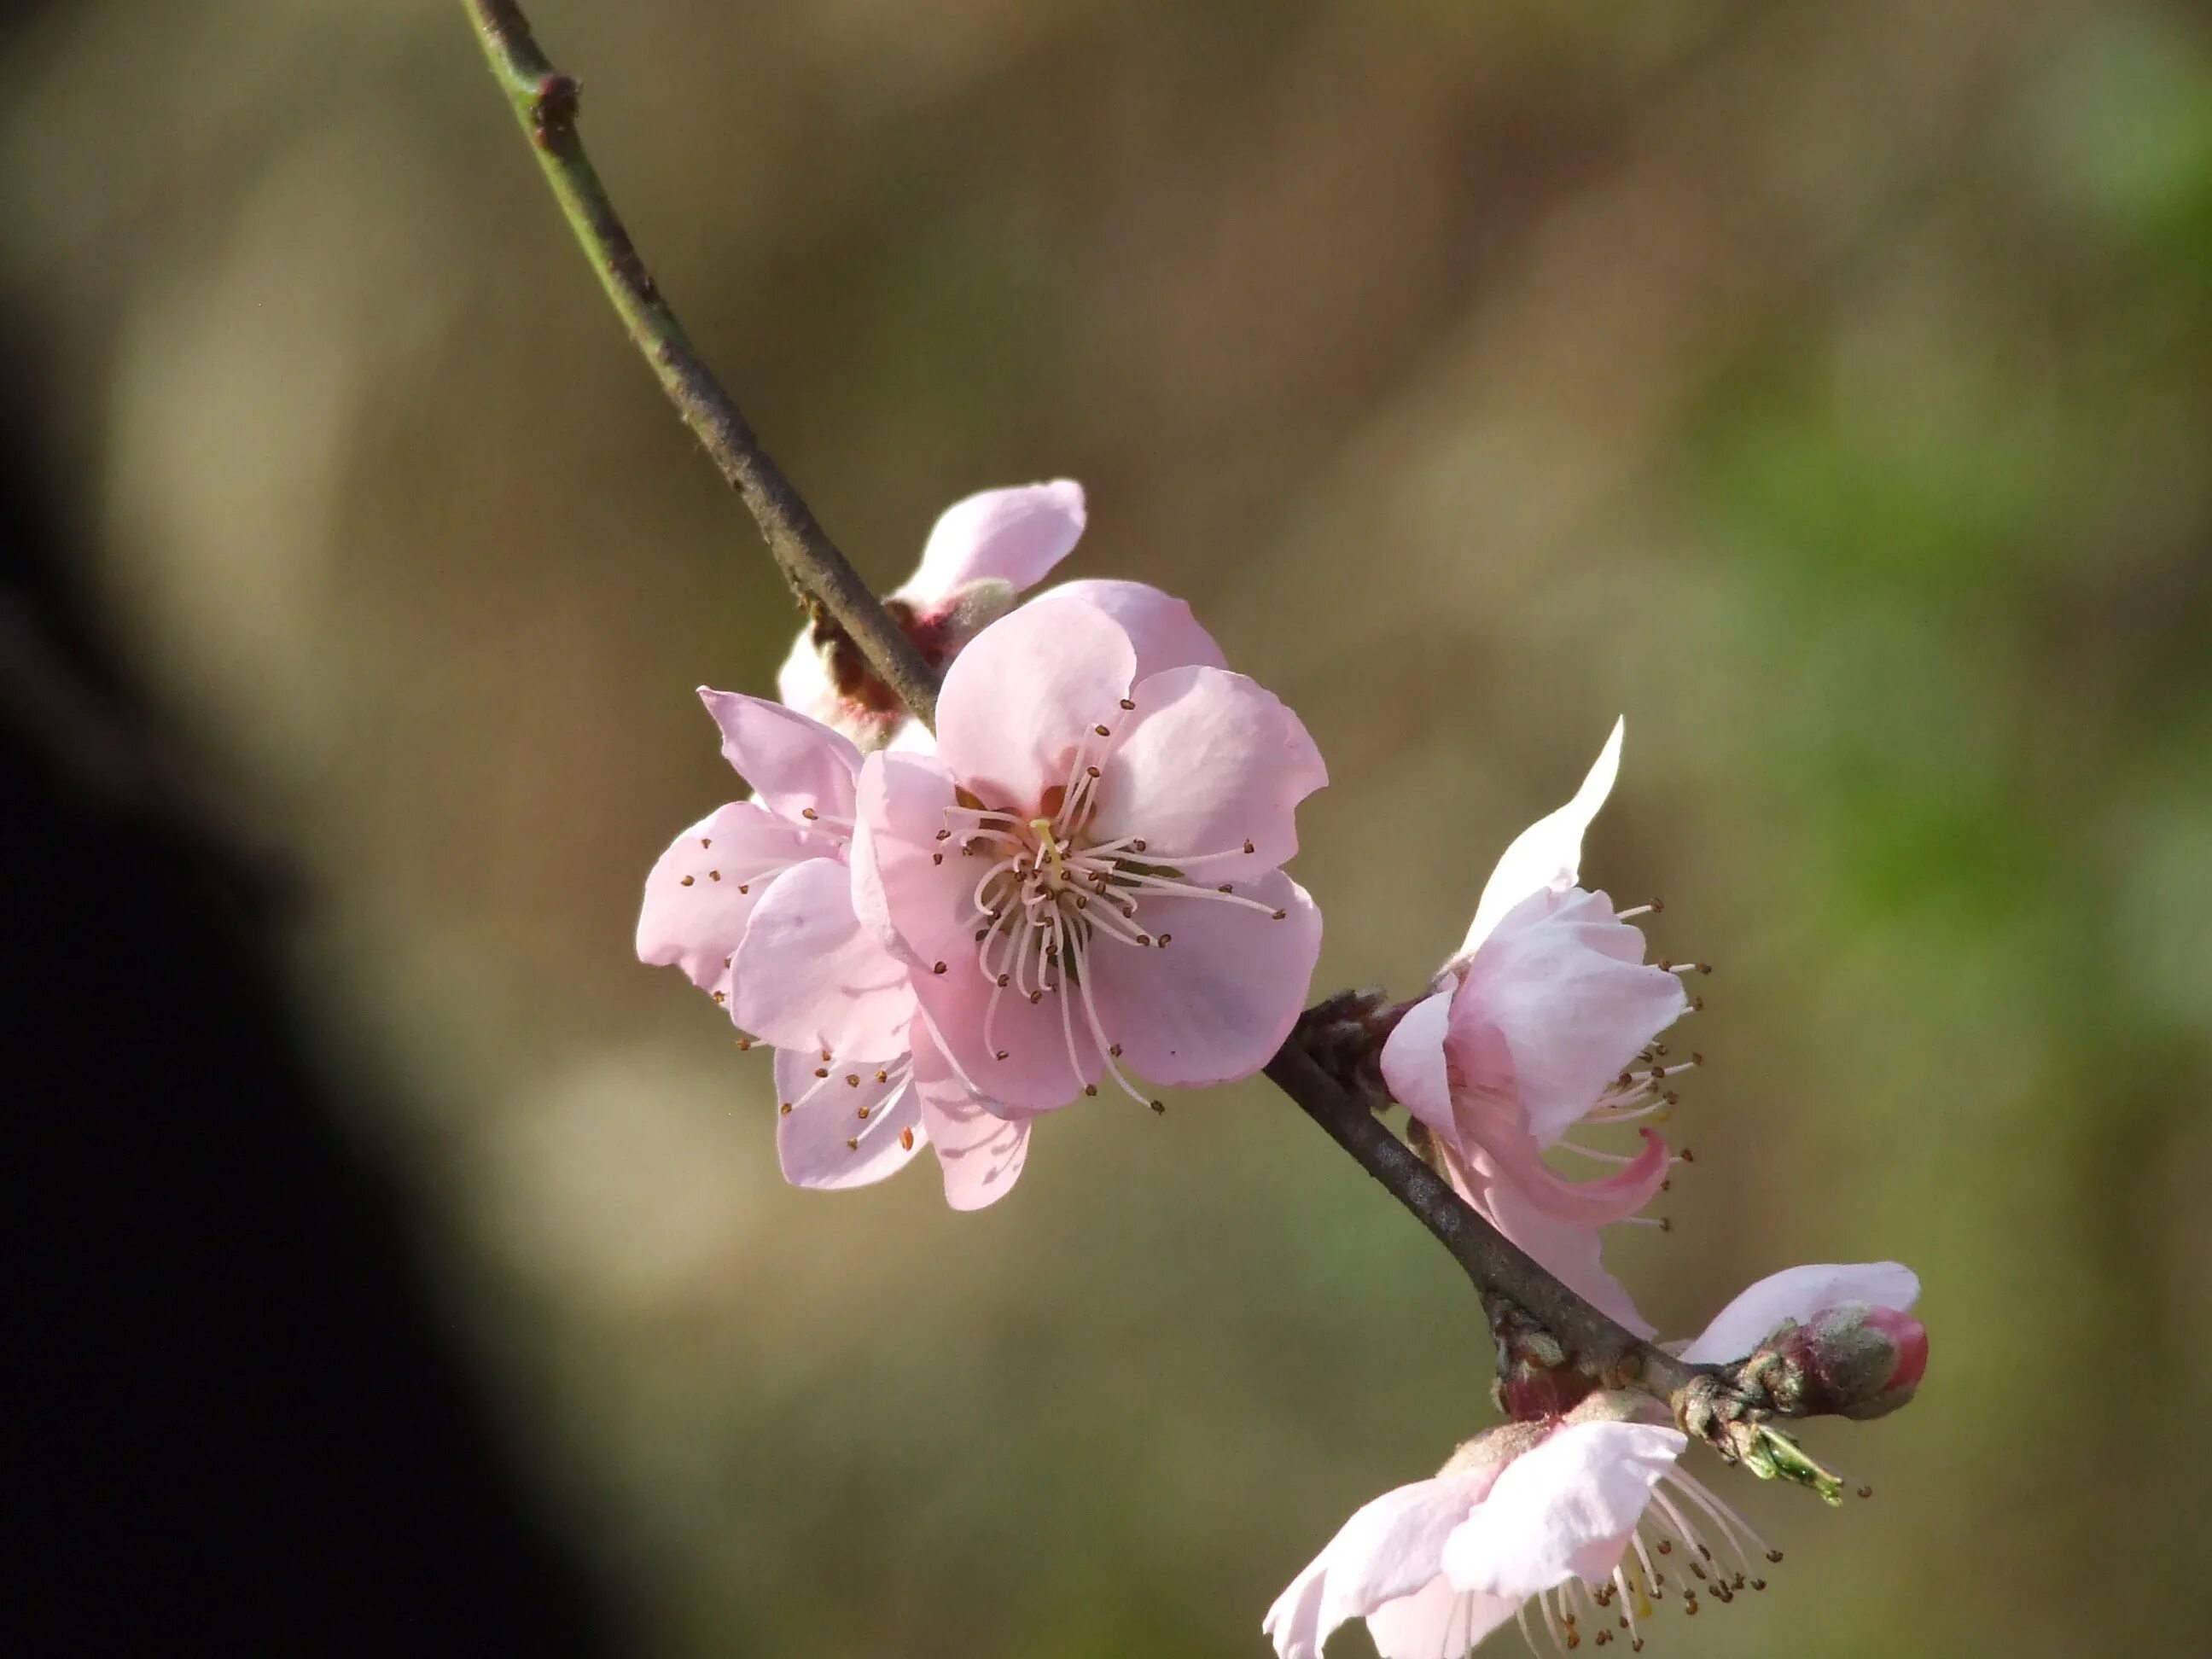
(1853, 1360)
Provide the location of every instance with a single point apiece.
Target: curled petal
(1025, 693)
(1547, 856)
(1014, 536)
(1799, 1293)
(1413, 1064)
(823, 1141)
(1519, 1164)
(1161, 626)
(1563, 1509)
(1208, 762)
(794, 764)
(809, 975)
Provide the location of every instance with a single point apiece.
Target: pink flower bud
(1854, 1359)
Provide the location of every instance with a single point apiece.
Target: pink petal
(1562, 1511)
(1519, 1164)
(1547, 856)
(910, 889)
(811, 1139)
(1571, 1251)
(1025, 693)
(1162, 627)
(1012, 535)
(1208, 761)
(701, 892)
(1413, 1064)
(1436, 1621)
(793, 763)
(1212, 1003)
(810, 976)
(980, 1155)
(1389, 1549)
(1798, 1293)
(1554, 1005)
(1019, 1052)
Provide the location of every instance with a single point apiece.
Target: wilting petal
(1212, 1003)
(1209, 761)
(810, 976)
(701, 892)
(1161, 626)
(1798, 1293)
(1413, 1064)
(1436, 1621)
(1013, 536)
(980, 1155)
(1389, 1548)
(1547, 855)
(1563, 1509)
(1551, 1009)
(794, 764)
(821, 1138)
(1025, 693)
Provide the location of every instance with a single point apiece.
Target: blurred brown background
(1826, 387)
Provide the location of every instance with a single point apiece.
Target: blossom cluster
(1076, 883)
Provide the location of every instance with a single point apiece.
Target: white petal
(1798, 1293)
(1549, 854)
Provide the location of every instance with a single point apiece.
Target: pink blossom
(1577, 1516)
(1084, 877)
(980, 553)
(1544, 1020)
(1585, 1516)
(754, 903)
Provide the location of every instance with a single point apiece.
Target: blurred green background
(1828, 388)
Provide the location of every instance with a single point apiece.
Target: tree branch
(545, 102)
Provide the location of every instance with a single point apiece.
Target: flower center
(1052, 896)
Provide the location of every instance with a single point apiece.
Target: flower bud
(1854, 1360)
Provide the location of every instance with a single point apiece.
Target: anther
(998, 1054)
(1687, 1155)
(937, 857)
(1103, 732)
(1167, 938)
(1774, 1556)
(1866, 1492)
(822, 1071)
(1247, 847)
(706, 842)
(863, 1114)
(1280, 914)
(945, 834)
(721, 997)
(852, 1081)
(809, 813)
(853, 1146)
(783, 1109)
(1160, 1107)
(1090, 1089)
(1092, 771)
(936, 967)
(687, 880)
(1137, 846)
(744, 1044)
(883, 1076)
(1126, 704)
(714, 875)
(1116, 1051)
(906, 1140)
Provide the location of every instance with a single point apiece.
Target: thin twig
(545, 101)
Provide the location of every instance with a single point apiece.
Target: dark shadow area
(234, 1423)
